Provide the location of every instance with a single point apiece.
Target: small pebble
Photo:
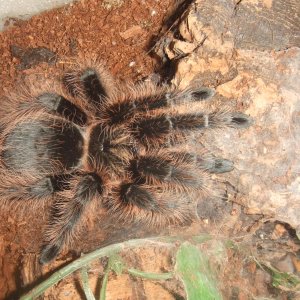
(153, 13)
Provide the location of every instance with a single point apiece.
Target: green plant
(192, 267)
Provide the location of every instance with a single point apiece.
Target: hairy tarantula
(81, 140)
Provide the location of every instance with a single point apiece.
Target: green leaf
(193, 268)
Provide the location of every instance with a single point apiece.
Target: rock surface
(249, 52)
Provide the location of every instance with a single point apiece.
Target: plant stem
(104, 281)
(85, 284)
(147, 275)
(85, 259)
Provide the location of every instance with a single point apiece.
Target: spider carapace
(82, 140)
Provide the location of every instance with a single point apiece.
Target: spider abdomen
(43, 147)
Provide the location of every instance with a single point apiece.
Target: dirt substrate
(121, 34)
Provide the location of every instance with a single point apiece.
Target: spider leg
(92, 83)
(50, 185)
(58, 104)
(193, 94)
(25, 188)
(93, 86)
(120, 111)
(67, 213)
(180, 172)
(158, 169)
(134, 194)
(151, 205)
(150, 129)
(159, 190)
(205, 162)
(167, 99)
(216, 165)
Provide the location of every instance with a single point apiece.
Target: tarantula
(82, 139)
